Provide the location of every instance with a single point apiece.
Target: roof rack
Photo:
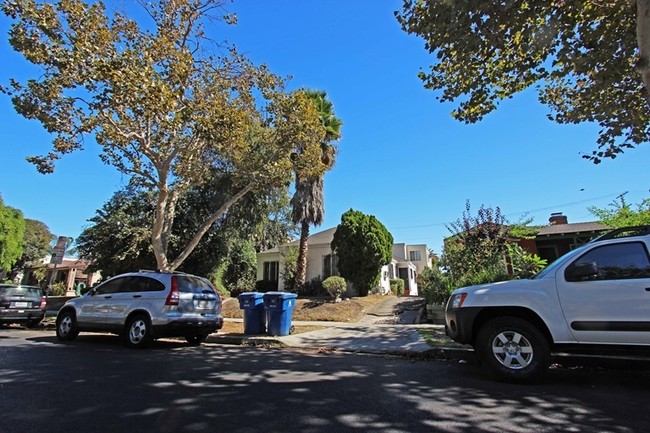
(625, 232)
(158, 271)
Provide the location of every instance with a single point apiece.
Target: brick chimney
(558, 218)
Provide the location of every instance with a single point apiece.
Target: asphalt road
(96, 384)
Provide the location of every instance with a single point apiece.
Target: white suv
(143, 306)
(594, 299)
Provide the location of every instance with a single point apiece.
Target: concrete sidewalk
(390, 327)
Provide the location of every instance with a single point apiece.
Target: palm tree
(308, 203)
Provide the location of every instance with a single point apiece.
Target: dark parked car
(21, 304)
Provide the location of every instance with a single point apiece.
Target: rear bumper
(183, 328)
(21, 316)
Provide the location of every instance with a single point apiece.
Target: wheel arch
(134, 313)
(65, 309)
(521, 312)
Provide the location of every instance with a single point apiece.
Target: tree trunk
(301, 267)
(643, 40)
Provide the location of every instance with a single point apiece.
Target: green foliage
(363, 245)
(163, 110)
(290, 265)
(524, 264)
(58, 289)
(335, 286)
(583, 58)
(435, 286)
(266, 286)
(622, 214)
(36, 244)
(240, 272)
(477, 245)
(12, 235)
(397, 286)
(313, 287)
(119, 239)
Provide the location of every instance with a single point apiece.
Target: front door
(612, 306)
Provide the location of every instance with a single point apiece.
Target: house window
(330, 265)
(271, 271)
(415, 256)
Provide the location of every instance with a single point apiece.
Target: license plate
(203, 304)
(21, 304)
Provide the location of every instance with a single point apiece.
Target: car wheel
(195, 340)
(138, 331)
(66, 326)
(514, 349)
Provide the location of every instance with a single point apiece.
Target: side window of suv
(611, 262)
(111, 286)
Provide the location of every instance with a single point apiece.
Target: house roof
(561, 229)
(324, 237)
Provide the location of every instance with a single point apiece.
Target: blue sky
(402, 157)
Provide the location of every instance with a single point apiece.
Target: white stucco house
(408, 261)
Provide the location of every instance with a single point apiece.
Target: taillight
(43, 303)
(174, 295)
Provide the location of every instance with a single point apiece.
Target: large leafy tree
(165, 104)
(590, 60)
(363, 245)
(118, 239)
(12, 236)
(308, 201)
(36, 245)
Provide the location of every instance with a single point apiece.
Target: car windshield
(551, 268)
(191, 284)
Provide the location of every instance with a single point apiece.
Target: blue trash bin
(254, 317)
(279, 308)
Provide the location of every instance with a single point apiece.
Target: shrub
(266, 286)
(397, 286)
(436, 286)
(335, 286)
(58, 289)
(314, 287)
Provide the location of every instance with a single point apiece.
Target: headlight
(457, 300)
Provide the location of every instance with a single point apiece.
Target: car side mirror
(581, 271)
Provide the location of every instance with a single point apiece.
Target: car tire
(138, 332)
(195, 340)
(66, 326)
(31, 324)
(513, 349)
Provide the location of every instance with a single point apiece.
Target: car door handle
(647, 289)
(137, 296)
(108, 297)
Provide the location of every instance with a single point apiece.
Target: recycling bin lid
(281, 295)
(250, 295)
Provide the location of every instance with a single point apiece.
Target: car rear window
(190, 284)
(21, 291)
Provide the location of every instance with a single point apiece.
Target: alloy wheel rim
(513, 350)
(137, 331)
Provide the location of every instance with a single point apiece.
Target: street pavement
(393, 327)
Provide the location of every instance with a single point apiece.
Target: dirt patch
(317, 309)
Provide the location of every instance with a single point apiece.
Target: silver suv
(143, 306)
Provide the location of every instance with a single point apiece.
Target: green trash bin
(279, 309)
